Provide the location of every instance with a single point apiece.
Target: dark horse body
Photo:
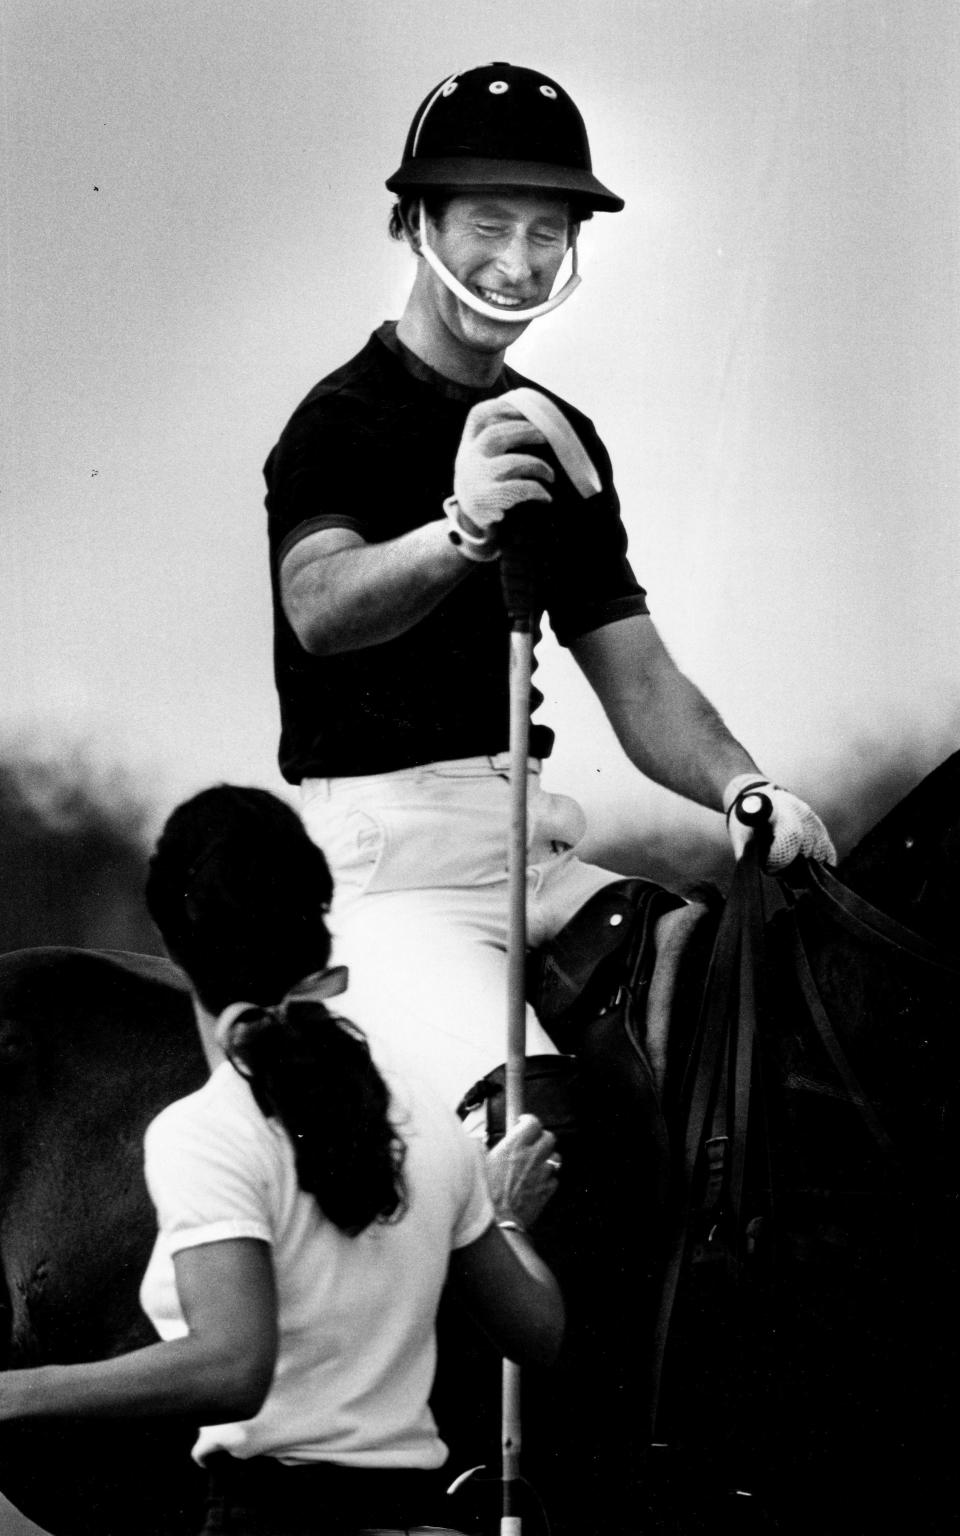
(92, 1046)
(826, 1365)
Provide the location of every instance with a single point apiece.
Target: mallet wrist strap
(472, 546)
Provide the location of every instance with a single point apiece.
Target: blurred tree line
(75, 839)
(73, 856)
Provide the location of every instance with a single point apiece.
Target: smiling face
(506, 247)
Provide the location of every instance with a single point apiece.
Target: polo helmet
(501, 125)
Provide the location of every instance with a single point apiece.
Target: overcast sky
(767, 339)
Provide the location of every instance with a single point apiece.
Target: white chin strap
(493, 311)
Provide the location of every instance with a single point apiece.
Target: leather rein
(720, 1074)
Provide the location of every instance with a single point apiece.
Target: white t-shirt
(357, 1348)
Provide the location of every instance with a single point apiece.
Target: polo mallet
(518, 575)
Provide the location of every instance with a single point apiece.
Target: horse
(92, 1045)
(806, 1338)
(855, 1276)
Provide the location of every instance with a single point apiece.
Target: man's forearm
(685, 744)
(662, 720)
(365, 594)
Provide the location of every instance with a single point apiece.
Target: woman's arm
(512, 1294)
(219, 1372)
(522, 1171)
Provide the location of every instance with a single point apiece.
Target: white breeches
(420, 912)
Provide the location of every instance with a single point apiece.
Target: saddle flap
(608, 942)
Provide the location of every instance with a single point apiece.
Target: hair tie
(316, 988)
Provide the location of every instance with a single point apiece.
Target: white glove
(795, 829)
(490, 476)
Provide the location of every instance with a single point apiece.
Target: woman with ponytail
(310, 1207)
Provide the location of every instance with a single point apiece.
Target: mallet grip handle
(519, 573)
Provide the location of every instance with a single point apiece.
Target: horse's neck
(909, 864)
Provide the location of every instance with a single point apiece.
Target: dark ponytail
(240, 895)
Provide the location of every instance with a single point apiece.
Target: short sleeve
(208, 1181)
(476, 1209)
(318, 474)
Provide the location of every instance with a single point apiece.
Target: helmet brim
(456, 172)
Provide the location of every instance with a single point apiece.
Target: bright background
(767, 339)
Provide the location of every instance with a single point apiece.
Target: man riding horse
(389, 495)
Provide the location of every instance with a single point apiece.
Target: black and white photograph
(479, 767)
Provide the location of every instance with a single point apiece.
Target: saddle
(603, 1232)
(607, 948)
(589, 986)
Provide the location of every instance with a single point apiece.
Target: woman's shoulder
(222, 1107)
